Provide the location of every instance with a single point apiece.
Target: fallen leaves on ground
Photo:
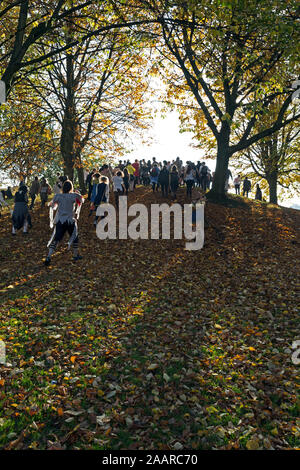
(144, 345)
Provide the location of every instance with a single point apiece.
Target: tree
(93, 92)
(29, 143)
(26, 24)
(235, 58)
(275, 159)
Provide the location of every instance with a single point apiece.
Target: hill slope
(143, 345)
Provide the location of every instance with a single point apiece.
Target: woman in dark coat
(20, 216)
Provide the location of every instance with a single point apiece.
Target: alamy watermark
(2, 352)
(296, 93)
(296, 354)
(2, 92)
(188, 221)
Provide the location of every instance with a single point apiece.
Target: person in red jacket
(136, 167)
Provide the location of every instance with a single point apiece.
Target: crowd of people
(165, 176)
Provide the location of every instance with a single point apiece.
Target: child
(118, 186)
(65, 220)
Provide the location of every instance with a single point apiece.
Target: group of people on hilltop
(246, 187)
(167, 176)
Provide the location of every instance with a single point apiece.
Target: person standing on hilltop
(136, 174)
(131, 171)
(237, 184)
(163, 180)
(126, 177)
(189, 180)
(154, 174)
(204, 176)
(258, 194)
(174, 181)
(246, 186)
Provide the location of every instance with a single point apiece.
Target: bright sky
(167, 142)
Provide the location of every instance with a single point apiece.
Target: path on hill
(145, 345)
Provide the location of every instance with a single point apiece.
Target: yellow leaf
(253, 444)
(73, 359)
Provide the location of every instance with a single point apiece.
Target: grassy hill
(144, 345)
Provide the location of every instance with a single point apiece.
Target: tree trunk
(272, 182)
(69, 125)
(66, 148)
(80, 174)
(217, 192)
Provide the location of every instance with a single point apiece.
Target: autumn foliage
(143, 345)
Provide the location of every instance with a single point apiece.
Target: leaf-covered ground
(144, 345)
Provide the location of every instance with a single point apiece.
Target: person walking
(20, 216)
(45, 190)
(118, 186)
(102, 196)
(189, 180)
(126, 177)
(65, 220)
(34, 191)
(88, 182)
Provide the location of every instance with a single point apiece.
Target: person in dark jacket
(163, 180)
(258, 194)
(174, 181)
(246, 186)
(34, 191)
(9, 194)
(20, 216)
